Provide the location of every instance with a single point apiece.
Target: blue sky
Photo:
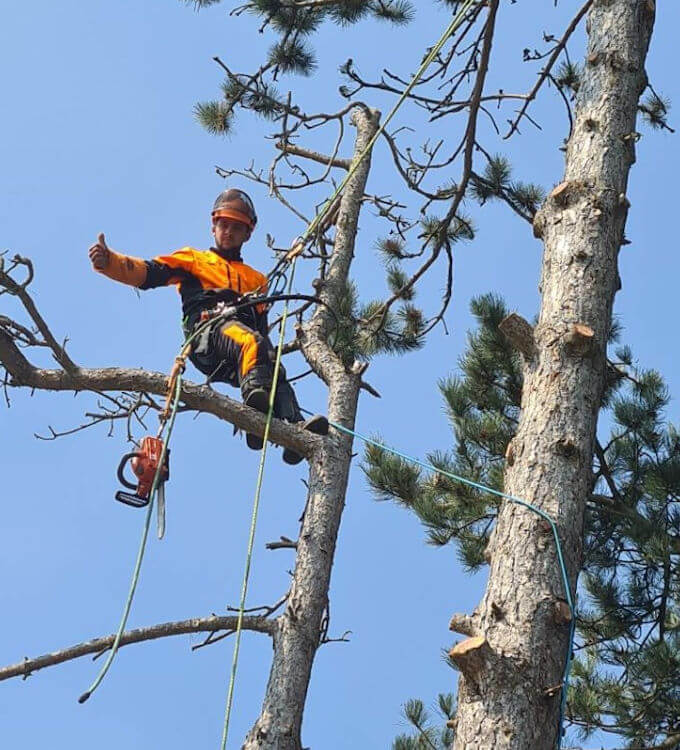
(98, 135)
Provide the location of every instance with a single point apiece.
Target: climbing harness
(518, 501)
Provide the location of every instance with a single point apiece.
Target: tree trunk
(520, 637)
(298, 632)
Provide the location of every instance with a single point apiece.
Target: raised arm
(123, 268)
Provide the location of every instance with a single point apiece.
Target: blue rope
(518, 501)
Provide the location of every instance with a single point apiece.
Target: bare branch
(284, 543)
(197, 397)
(291, 148)
(548, 67)
(19, 290)
(213, 623)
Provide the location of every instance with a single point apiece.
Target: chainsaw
(145, 463)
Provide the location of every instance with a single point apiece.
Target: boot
(255, 388)
(286, 407)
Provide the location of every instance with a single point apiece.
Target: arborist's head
(233, 219)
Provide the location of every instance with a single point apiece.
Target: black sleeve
(158, 274)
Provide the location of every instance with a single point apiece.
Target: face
(229, 234)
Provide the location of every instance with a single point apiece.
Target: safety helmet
(237, 205)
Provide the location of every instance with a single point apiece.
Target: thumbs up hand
(99, 253)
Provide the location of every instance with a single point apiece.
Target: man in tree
(234, 348)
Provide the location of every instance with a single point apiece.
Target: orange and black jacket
(203, 278)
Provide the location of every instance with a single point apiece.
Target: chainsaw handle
(121, 469)
(134, 501)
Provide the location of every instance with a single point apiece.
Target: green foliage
(426, 735)
(461, 228)
(292, 56)
(482, 408)
(350, 12)
(568, 76)
(198, 4)
(363, 331)
(397, 280)
(391, 249)
(527, 196)
(215, 117)
(391, 477)
(654, 110)
(627, 674)
(383, 331)
(263, 99)
(396, 11)
(496, 183)
(412, 323)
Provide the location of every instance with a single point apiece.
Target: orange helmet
(237, 205)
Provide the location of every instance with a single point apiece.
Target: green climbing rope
(455, 23)
(253, 520)
(429, 58)
(451, 28)
(168, 422)
(140, 551)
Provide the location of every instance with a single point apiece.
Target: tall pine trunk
(299, 629)
(512, 666)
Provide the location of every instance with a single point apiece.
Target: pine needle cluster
(292, 53)
(427, 735)
(626, 679)
(655, 110)
(568, 76)
(482, 407)
(364, 330)
(496, 183)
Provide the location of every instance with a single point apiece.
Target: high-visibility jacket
(203, 278)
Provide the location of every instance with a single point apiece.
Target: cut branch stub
(560, 194)
(520, 334)
(553, 690)
(471, 656)
(463, 624)
(579, 340)
(510, 454)
(562, 612)
(538, 225)
(566, 447)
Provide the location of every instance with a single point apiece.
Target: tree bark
(298, 632)
(505, 699)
